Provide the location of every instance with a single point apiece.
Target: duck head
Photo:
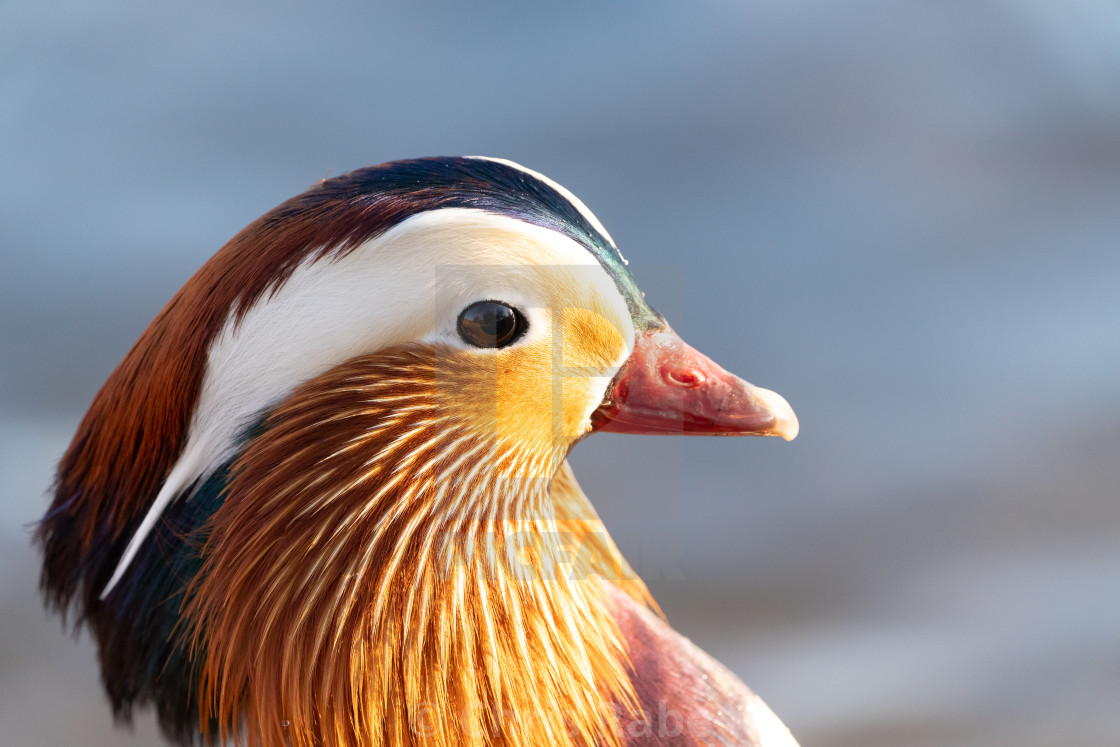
(315, 501)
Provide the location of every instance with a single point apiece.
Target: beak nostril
(683, 377)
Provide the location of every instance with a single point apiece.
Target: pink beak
(668, 387)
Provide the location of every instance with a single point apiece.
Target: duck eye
(491, 324)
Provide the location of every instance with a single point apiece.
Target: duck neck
(396, 577)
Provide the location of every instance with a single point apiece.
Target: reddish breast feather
(686, 697)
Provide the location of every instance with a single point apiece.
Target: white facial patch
(406, 285)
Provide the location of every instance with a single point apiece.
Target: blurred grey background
(905, 217)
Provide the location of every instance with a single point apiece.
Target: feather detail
(384, 570)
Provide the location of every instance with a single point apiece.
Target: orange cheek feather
(346, 617)
(542, 394)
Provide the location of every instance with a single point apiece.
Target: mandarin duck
(324, 499)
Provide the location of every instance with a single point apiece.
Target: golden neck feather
(383, 572)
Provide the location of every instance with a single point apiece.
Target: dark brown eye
(491, 324)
